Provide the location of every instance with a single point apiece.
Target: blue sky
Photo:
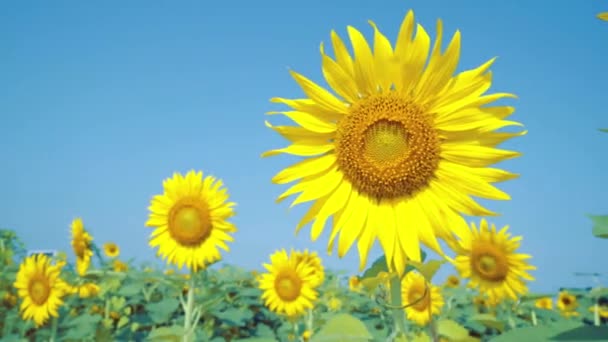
(101, 101)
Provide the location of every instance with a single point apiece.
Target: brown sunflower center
(453, 281)
(417, 294)
(190, 222)
(387, 147)
(566, 300)
(288, 286)
(81, 246)
(39, 290)
(489, 263)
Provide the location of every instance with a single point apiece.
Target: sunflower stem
(309, 320)
(534, 319)
(397, 303)
(54, 324)
(189, 311)
(596, 314)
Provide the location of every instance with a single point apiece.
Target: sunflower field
(396, 151)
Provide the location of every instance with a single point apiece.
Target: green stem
(397, 304)
(534, 319)
(189, 310)
(309, 321)
(54, 325)
(596, 314)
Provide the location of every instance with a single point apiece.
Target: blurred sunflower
(111, 249)
(313, 260)
(602, 310)
(488, 258)
(81, 244)
(398, 151)
(603, 16)
(119, 266)
(354, 283)
(39, 285)
(452, 281)
(567, 303)
(334, 304)
(85, 290)
(427, 300)
(544, 303)
(288, 286)
(190, 220)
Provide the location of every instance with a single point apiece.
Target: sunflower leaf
(451, 330)
(600, 226)
(427, 269)
(343, 327)
(174, 332)
(379, 265)
(535, 296)
(488, 321)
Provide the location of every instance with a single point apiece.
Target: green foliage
(343, 328)
(600, 226)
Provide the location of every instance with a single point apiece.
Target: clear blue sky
(101, 101)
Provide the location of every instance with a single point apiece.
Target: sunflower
(488, 257)
(354, 283)
(452, 281)
(190, 220)
(425, 300)
(111, 249)
(544, 303)
(399, 149)
(603, 16)
(566, 302)
(39, 284)
(86, 290)
(288, 286)
(119, 266)
(311, 259)
(81, 244)
(602, 310)
(334, 304)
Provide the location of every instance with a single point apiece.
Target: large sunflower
(488, 257)
(289, 286)
(427, 298)
(190, 220)
(399, 149)
(81, 244)
(39, 284)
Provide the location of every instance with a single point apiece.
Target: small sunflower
(119, 266)
(452, 281)
(603, 16)
(313, 260)
(602, 310)
(190, 220)
(334, 304)
(39, 285)
(566, 302)
(111, 249)
(288, 286)
(86, 290)
(399, 149)
(544, 303)
(354, 283)
(428, 300)
(81, 244)
(488, 258)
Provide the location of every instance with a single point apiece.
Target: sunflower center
(489, 263)
(566, 301)
(190, 222)
(416, 294)
(81, 245)
(288, 286)
(387, 147)
(39, 290)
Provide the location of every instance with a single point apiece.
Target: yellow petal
(311, 107)
(339, 80)
(364, 63)
(308, 121)
(319, 94)
(335, 202)
(343, 58)
(603, 16)
(412, 59)
(352, 226)
(385, 65)
(459, 177)
(476, 156)
(301, 150)
(304, 168)
(300, 135)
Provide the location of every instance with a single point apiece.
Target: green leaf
(160, 312)
(236, 316)
(172, 333)
(488, 321)
(343, 328)
(82, 327)
(428, 269)
(379, 265)
(597, 292)
(600, 226)
(451, 330)
(130, 290)
(545, 333)
(535, 296)
(257, 339)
